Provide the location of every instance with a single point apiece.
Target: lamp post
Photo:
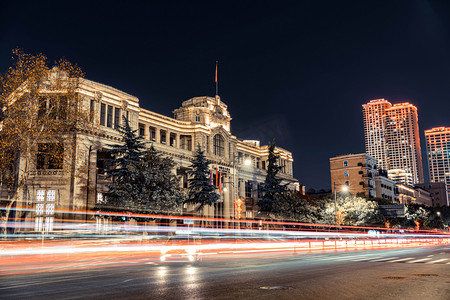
(344, 189)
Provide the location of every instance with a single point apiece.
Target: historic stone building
(53, 195)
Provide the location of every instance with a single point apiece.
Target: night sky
(298, 71)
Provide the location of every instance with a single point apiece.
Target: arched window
(219, 145)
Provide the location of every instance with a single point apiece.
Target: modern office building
(51, 193)
(374, 114)
(438, 152)
(392, 137)
(403, 140)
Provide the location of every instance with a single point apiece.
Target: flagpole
(217, 83)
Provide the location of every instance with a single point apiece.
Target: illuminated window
(99, 197)
(44, 210)
(345, 173)
(219, 142)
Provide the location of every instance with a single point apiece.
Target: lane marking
(402, 259)
(436, 261)
(383, 259)
(418, 260)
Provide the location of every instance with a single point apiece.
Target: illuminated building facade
(392, 137)
(374, 115)
(356, 171)
(51, 191)
(403, 140)
(438, 152)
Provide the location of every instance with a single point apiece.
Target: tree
(290, 206)
(40, 111)
(272, 186)
(142, 180)
(124, 171)
(351, 210)
(159, 188)
(201, 191)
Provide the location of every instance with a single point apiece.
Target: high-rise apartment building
(392, 137)
(438, 152)
(403, 140)
(374, 114)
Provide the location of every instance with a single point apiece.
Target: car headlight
(191, 251)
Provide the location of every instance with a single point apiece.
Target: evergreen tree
(201, 191)
(159, 189)
(124, 171)
(272, 187)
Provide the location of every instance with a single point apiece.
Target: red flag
(217, 176)
(216, 72)
(220, 182)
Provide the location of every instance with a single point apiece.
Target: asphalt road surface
(412, 273)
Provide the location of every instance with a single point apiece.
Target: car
(182, 248)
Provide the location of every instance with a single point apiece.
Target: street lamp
(344, 189)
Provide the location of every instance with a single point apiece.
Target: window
(345, 163)
(197, 118)
(345, 173)
(99, 197)
(172, 139)
(50, 156)
(207, 144)
(347, 183)
(116, 117)
(53, 106)
(163, 136)
(104, 160)
(102, 114)
(109, 116)
(141, 129)
(219, 145)
(248, 189)
(186, 142)
(263, 164)
(152, 133)
(91, 110)
(44, 217)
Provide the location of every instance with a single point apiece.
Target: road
(412, 273)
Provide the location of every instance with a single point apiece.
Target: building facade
(392, 137)
(52, 195)
(374, 116)
(438, 152)
(356, 171)
(438, 191)
(403, 140)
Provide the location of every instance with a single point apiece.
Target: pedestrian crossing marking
(436, 261)
(418, 260)
(387, 258)
(402, 259)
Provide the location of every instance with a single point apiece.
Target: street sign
(188, 221)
